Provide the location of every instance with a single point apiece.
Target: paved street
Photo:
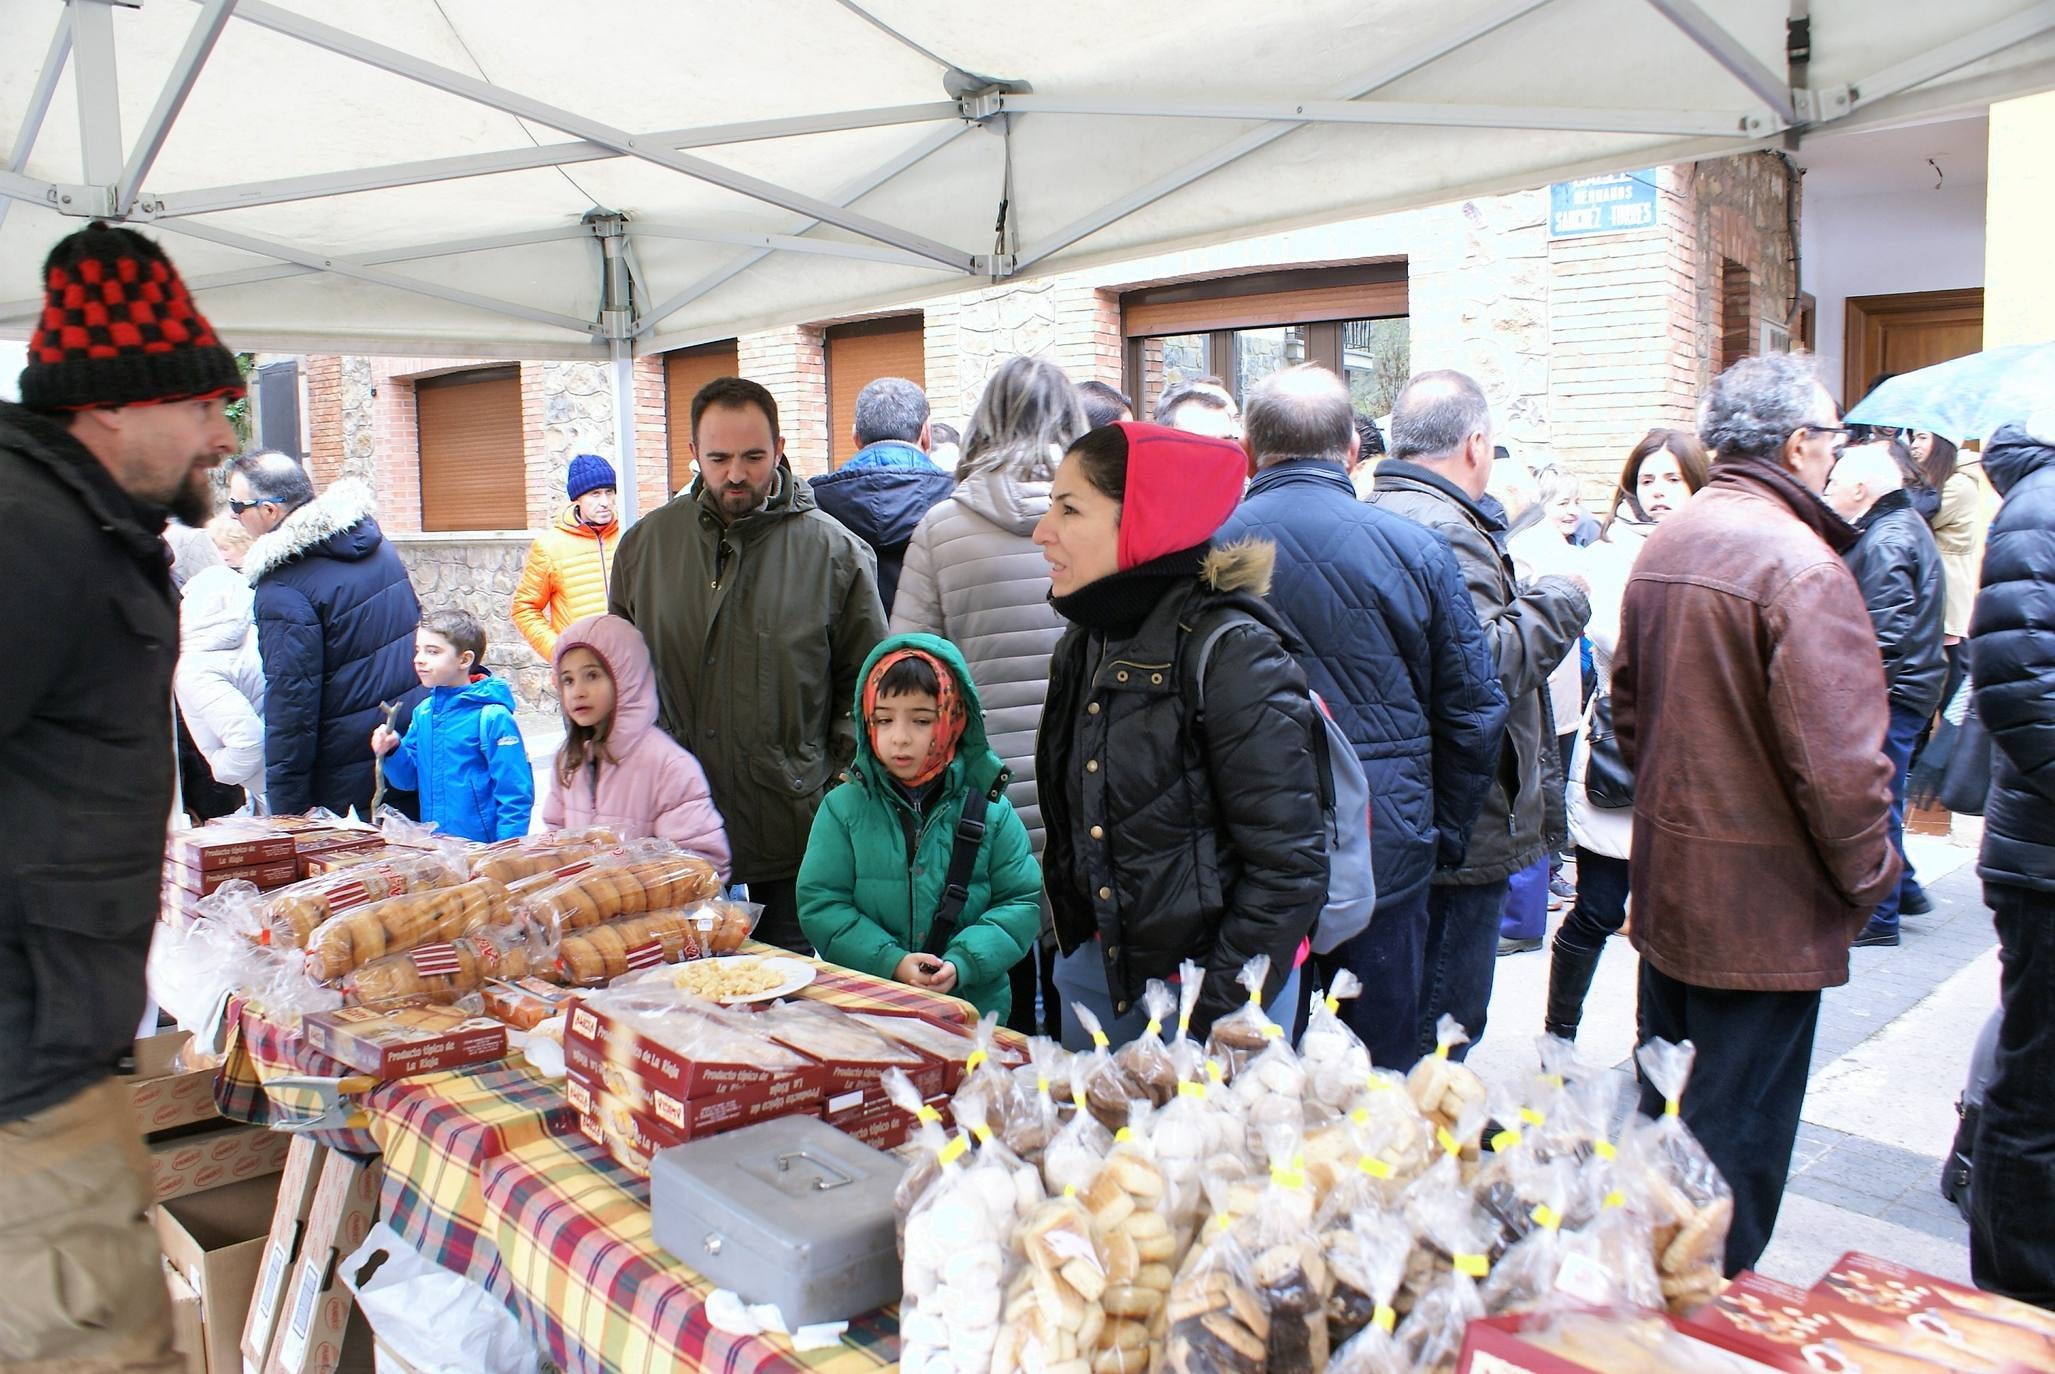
(1893, 1049)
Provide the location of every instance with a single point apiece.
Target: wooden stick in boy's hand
(391, 709)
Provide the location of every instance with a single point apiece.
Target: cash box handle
(822, 1185)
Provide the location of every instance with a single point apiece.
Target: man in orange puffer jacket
(570, 565)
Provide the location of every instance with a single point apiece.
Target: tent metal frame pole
(854, 190)
(617, 326)
(484, 93)
(343, 267)
(97, 88)
(1383, 75)
(1727, 50)
(39, 103)
(1957, 53)
(206, 200)
(199, 46)
(1676, 124)
(786, 243)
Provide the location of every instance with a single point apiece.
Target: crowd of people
(1048, 721)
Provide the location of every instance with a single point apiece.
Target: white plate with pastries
(735, 980)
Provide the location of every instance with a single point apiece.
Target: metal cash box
(790, 1212)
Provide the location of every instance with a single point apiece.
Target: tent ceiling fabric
(412, 176)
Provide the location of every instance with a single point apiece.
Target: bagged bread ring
(355, 938)
(600, 954)
(289, 916)
(628, 882)
(444, 972)
(510, 861)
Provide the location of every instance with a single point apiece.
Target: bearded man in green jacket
(759, 611)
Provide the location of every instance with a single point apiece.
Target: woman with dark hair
(1955, 531)
(1183, 816)
(1660, 475)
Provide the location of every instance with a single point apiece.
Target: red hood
(1180, 489)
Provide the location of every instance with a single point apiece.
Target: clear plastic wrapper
(1336, 1062)
(443, 973)
(597, 955)
(1443, 1274)
(1270, 1093)
(510, 861)
(1366, 1253)
(1109, 1091)
(1288, 1262)
(289, 916)
(1145, 1060)
(1124, 1207)
(1073, 1158)
(1443, 1089)
(646, 875)
(1667, 1174)
(695, 1029)
(196, 966)
(349, 941)
(1032, 1120)
(833, 1036)
(1523, 1279)
(933, 1150)
(1054, 1312)
(1200, 1129)
(1217, 1321)
(1625, 1341)
(1247, 1031)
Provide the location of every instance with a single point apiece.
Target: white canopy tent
(529, 178)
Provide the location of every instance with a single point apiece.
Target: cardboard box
(318, 1305)
(220, 846)
(603, 1041)
(162, 1097)
(525, 1003)
(282, 1244)
(188, 1335)
(1786, 1328)
(197, 883)
(214, 1242)
(666, 1121)
(951, 1042)
(1985, 1321)
(407, 1037)
(879, 1125)
(799, 1026)
(192, 1161)
(1504, 1345)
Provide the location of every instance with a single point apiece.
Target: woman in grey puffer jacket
(974, 576)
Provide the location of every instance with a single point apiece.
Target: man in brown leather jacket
(1749, 698)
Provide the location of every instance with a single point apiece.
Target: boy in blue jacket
(462, 752)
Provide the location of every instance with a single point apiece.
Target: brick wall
(478, 573)
(792, 366)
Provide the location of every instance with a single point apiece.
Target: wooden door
(1906, 332)
(857, 355)
(686, 370)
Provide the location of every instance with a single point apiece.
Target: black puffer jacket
(1529, 628)
(1898, 566)
(2013, 664)
(85, 760)
(1166, 846)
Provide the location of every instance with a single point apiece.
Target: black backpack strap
(963, 860)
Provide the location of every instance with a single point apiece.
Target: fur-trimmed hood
(1243, 566)
(335, 524)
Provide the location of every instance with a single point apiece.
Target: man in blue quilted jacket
(1394, 647)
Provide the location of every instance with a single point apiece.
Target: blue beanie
(589, 472)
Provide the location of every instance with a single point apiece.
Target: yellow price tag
(1616, 1198)
(1384, 1318)
(1099, 1040)
(1379, 1085)
(1215, 1072)
(1360, 1116)
(1272, 1031)
(1532, 1117)
(1256, 995)
(1441, 1050)
(928, 1115)
(1292, 1175)
(1504, 1140)
(1476, 1266)
(1070, 1190)
(1373, 1166)
(1448, 1140)
(1191, 1089)
(1042, 1084)
(1124, 1135)
(1554, 1080)
(1672, 1107)
(956, 1148)
(1154, 1027)
(976, 1061)
(1547, 1217)
(1077, 1098)
(1605, 1149)
(983, 1133)
(1333, 1005)
(1184, 1024)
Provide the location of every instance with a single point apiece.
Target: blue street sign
(1614, 204)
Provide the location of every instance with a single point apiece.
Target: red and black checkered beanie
(119, 328)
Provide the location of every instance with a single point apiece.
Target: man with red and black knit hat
(122, 416)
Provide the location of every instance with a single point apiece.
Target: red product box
(649, 1131)
(160, 1094)
(951, 1042)
(854, 1057)
(214, 847)
(663, 1112)
(1984, 1321)
(406, 1037)
(525, 1003)
(1787, 1328)
(880, 1125)
(604, 1041)
(1592, 1343)
(206, 883)
(193, 1163)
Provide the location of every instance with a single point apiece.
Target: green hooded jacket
(756, 631)
(875, 869)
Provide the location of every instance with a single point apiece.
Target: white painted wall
(1875, 245)
(13, 358)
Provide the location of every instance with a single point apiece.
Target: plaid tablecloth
(438, 1139)
(853, 991)
(259, 1053)
(573, 1233)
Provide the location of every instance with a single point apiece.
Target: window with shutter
(473, 471)
(857, 355)
(686, 370)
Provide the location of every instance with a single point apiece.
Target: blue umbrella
(1965, 399)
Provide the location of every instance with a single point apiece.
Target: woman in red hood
(1173, 833)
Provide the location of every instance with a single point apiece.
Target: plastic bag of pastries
(354, 938)
(445, 972)
(1053, 1316)
(1032, 1119)
(1523, 1278)
(1137, 1247)
(647, 875)
(1667, 1174)
(1440, 1290)
(287, 917)
(599, 954)
(1366, 1251)
(1336, 1062)
(1247, 1031)
(1198, 1131)
(1145, 1060)
(959, 1257)
(1073, 1158)
(1270, 1092)
(509, 861)
(1216, 1321)
(1442, 1088)
(1289, 1262)
(932, 1149)
(1109, 1091)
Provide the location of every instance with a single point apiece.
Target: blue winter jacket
(880, 496)
(464, 755)
(335, 627)
(1394, 648)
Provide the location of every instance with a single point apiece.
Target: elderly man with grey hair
(1749, 701)
(881, 494)
(1389, 638)
(1441, 456)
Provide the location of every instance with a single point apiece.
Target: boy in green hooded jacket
(878, 858)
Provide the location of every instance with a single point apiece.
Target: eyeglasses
(236, 507)
(1838, 435)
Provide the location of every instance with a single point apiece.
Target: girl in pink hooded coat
(616, 767)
